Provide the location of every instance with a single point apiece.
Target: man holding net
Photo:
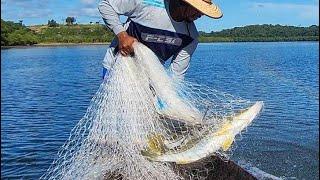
(123, 132)
(164, 26)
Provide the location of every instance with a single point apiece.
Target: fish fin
(227, 143)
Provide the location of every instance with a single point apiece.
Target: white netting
(144, 124)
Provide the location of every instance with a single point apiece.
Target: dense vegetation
(74, 34)
(263, 33)
(18, 34)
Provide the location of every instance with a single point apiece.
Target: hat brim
(207, 9)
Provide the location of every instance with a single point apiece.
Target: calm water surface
(46, 90)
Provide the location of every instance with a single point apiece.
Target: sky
(236, 13)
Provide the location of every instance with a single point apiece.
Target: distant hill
(17, 34)
(264, 32)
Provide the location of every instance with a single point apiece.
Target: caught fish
(220, 139)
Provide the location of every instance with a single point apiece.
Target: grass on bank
(14, 34)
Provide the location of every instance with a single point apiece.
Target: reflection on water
(46, 90)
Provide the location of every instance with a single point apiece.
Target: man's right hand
(125, 43)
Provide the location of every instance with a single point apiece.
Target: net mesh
(144, 123)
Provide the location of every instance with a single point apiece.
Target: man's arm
(110, 11)
(180, 61)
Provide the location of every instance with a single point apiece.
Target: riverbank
(45, 35)
(108, 43)
(70, 44)
(54, 44)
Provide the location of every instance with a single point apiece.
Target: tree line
(265, 32)
(13, 34)
(18, 34)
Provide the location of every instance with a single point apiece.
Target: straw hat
(206, 7)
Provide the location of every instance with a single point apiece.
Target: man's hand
(125, 43)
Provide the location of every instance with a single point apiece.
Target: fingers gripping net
(144, 124)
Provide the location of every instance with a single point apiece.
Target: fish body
(222, 138)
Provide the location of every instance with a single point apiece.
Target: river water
(46, 90)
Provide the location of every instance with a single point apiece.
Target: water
(46, 90)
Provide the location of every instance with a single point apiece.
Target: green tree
(265, 32)
(52, 23)
(16, 34)
(70, 20)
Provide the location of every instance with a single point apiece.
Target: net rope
(143, 123)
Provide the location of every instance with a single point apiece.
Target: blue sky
(236, 13)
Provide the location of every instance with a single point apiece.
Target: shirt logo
(161, 39)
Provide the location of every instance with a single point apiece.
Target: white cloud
(91, 12)
(39, 11)
(27, 5)
(306, 11)
(27, 9)
(88, 1)
(284, 6)
(85, 12)
(35, 14)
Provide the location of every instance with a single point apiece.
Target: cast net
(145, 124)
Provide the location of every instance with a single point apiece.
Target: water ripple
(46, 90)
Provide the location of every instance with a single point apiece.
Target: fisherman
(164, 26)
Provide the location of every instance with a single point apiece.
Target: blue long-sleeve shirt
(150, 22)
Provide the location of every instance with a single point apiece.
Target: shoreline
(53, 45)
(108, 43)
(70, 44)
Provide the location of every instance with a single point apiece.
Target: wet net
(144, 123)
